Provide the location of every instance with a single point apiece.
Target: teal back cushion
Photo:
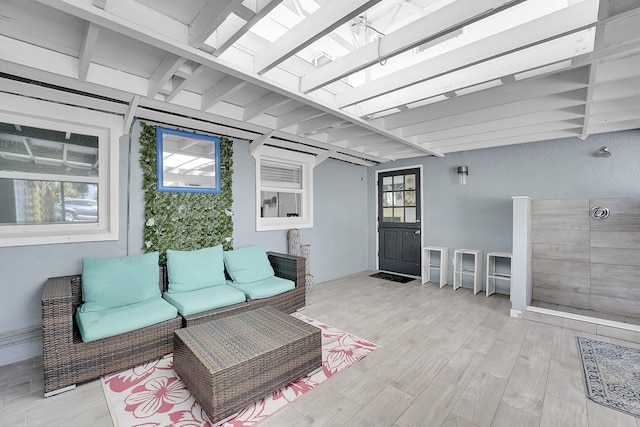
(115, 282)
(191, 270)
(249, 264)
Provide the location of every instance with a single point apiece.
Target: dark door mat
(392, 277)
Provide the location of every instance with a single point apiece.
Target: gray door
(399, 221)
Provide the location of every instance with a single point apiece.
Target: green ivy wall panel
(185, 221)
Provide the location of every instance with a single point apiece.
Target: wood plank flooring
(446, 359)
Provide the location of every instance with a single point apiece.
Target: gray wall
(479, 215)
(338, 239)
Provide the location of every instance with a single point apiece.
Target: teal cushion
(191, 270)
(204, 299)
(114, 282)
(264, 288)
(95, 325)
(249, 264)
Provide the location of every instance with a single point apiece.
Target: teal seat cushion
(248, 264)
(191, 270)
(95, 325)
(204, 299)
(115, 282)
(264, 288)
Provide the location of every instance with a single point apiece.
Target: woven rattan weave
(68, 361)
(230, 363)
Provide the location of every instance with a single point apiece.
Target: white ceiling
(356, 80)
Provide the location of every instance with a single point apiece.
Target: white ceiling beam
(615, 105)
(365, 140)
(551, 52)
(225, 86)
(100, 3)
(573, 125)
(197, 70)
(317, 25)
(259, 142)
(87, 49)
(506, 110)
(209, 18)
(324, 156)
(174, 39)
(224, 41)
(131, 114)
(512, 140)
(308, 126)
(613, 126)
(537, 32)
(617, 116)
(259, 106)
(555, 83)
(165, 70)
(440, 22)
(616, 89)
(347, 133)
(297, 116)
(498, 124)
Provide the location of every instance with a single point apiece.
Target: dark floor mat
(392, 277)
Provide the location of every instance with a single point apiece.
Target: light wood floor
(446, 359)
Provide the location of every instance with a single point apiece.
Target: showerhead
(604, 151)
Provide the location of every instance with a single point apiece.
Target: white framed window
(284, 186)
(58, 173)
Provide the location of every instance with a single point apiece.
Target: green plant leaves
(185, 221)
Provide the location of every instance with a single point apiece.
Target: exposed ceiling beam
(259, 142)
(225, 86)
(320, 122)
(437, 24)
(506, 110)
(224, 40)
(317, 25)
(130, 115)
(209, 18)
(537, 32)
(168, 66)
(561, 82)
(173, 39)
(297, 116)
(259, 106)
(324, 156)
(195, 72)
(87, 49)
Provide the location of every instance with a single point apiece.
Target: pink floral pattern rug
(151, 395)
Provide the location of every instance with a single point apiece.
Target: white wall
(479, 215)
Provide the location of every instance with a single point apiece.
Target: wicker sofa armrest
(288, 267)
(57, 311)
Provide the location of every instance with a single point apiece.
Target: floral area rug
(151, 395)
(612, 375)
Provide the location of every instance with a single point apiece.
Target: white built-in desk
(428, 265)
(459, 271)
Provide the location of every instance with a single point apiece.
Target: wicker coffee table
(231, 362)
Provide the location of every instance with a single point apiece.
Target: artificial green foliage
(185, 221)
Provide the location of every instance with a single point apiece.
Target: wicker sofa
(68, 360)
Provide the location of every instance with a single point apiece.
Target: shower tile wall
(587, 263)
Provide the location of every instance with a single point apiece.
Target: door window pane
(387, 199)
(398, 215)
(387, 183)
(398, 198)
(387, 215)
(398, 183)
(410, 215)
(409, 198)
(410, 182)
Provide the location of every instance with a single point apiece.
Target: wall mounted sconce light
(604, 151)
(463, 172)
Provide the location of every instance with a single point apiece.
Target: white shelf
(492, 275)
(459, 271)
(427, 265)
